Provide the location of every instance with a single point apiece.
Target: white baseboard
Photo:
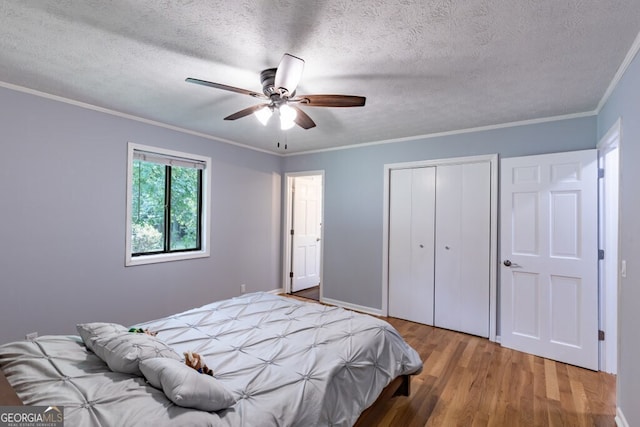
(276, 291)
(621, 421)
(354, 307)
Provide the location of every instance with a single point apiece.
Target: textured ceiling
(425, 66)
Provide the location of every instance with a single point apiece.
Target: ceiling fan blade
(332, 100)
(289, 73)
(225, 87)
(302, 119)
(242, 113)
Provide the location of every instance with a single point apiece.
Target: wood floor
(470, 381)
(310, 293)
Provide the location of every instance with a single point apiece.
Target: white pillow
(185, 386)
(123, 351)
(90, 331)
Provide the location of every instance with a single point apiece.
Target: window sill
(154, 259)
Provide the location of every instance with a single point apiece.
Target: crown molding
(633, 51)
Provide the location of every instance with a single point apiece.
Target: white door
(411, 239)
(549, 288)
(307, 208)
(462, 249)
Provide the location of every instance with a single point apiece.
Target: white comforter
(288, 363)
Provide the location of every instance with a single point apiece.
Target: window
(167, 205)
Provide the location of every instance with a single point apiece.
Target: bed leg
(404, 389)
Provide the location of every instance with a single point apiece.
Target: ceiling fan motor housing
(268, 78)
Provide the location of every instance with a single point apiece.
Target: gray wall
(62, 222)
(624, 104)
(354, 193)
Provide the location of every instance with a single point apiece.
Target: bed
(277, 361)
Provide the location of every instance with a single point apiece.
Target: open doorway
(608, 194)
(303, 234)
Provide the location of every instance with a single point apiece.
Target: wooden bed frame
(398, 387)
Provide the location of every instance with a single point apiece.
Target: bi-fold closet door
(411, 243)
(439, 245)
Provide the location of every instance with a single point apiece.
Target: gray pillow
(90, 331)
(185, 386)
(123, 351)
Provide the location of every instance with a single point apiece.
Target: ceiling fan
(279, 90)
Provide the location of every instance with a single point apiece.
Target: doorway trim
(289, 178)
(609, 241)
(493, 252)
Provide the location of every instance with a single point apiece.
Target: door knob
(507, 263)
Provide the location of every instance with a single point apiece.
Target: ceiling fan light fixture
(263, 115)
(287, 117)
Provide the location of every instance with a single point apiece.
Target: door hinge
(600, 253)
(291, 232)
(291, 274)
(600, 173)
(600, 335)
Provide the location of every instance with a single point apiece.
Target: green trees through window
(166, 207)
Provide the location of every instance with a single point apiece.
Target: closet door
(411, 240)
(462, 247)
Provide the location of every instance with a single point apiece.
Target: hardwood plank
(551, 380)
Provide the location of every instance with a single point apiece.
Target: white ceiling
(425, 66)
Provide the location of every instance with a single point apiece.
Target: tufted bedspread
(289, 363)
